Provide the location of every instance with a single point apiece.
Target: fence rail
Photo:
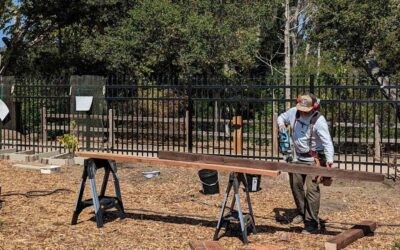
(200, 115)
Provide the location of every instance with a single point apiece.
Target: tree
(365, 33)
(351, 30)
(142, 38)
(190, 38)
(45, 36)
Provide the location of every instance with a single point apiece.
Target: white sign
(3, 110)
(83, 103)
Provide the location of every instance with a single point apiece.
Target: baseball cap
(305, 103)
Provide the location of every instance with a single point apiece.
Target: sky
(1, 41)
(1, 33)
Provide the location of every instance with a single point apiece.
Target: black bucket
(209, 179)
(253, 182)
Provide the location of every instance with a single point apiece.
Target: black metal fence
(209, 116)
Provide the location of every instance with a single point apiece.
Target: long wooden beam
(174, 163)
(277, 166)
(342, 240)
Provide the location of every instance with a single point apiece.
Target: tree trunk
(293, 32)
(287, 54)
(318, 59)
(307, 52)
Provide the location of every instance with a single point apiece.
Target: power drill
(284, 145)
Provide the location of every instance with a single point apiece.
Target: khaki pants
(307, 200)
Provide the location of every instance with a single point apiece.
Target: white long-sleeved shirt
(321, 138)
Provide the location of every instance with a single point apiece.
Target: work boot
(310, 229)
(298, 219)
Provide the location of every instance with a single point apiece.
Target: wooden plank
(277, 166)
(205, 245)
(172, 163)
(347, 237)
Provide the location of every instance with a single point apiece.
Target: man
(312, 143)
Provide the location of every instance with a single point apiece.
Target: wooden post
(237, 123)
(44, 124)
(275, 134)
(111, 137)
(377, 138)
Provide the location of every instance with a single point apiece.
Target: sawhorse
(101, 202)
(246, 220)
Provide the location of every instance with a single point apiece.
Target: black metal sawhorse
(101, 202)
(246, 220)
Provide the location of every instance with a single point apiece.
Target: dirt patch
(169, 211)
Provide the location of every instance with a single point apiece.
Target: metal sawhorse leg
(101, 202)
(246, 220)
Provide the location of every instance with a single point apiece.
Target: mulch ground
(167, 212)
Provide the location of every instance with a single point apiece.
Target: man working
(312, 143)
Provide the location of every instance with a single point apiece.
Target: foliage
(354, 31)
(195, 38)
(139, 38)
(70, 141)
(192, 38)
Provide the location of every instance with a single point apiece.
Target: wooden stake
(237, 123)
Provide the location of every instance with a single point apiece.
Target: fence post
(275, 134)
(44, 124)
(237, 123)
(377, 138)
(110, 130)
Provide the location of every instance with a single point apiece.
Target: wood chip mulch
(167, 212)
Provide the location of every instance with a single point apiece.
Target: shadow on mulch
(285, 216)
(205, 222)
(174, 219)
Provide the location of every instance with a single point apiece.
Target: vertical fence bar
(189, 119)
(44, 124)
(377, 138)
(111, 130)
(275, 135)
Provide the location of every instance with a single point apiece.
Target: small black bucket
(253, 182)
(209, 179)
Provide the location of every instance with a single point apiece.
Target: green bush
(70, 140)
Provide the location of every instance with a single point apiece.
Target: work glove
(327, 181)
